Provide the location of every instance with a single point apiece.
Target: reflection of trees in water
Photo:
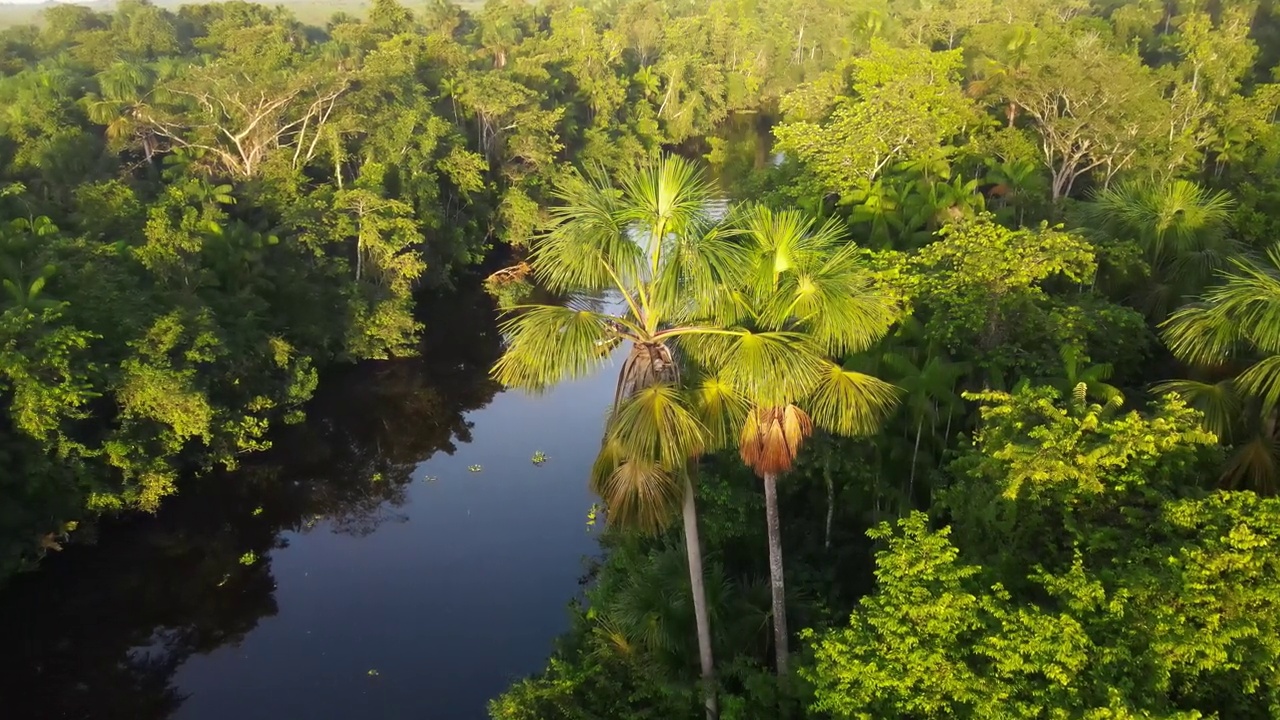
(99, 631)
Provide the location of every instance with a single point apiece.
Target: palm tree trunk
(775, 573)
(693, 548)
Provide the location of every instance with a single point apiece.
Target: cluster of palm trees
(739, 328)
(736, 327)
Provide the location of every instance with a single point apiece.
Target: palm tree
(994, 72)
(1181, 228)
(649, 240)
(1234, 334)
(807, 281)
(929, 387)
(1080, 380)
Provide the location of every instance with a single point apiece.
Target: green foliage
(903, 104)
(1135, 603)
(202, 208)
(982, 293)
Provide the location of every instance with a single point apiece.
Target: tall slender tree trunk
(693, 548)
(831, 505)
(775, 573)
(915, 454)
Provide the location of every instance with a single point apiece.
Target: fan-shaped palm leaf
(769, 368)
(638, 493)
(548, 343)
(587, 247)
(721, 408)
(702, 262)
(1219, 402)
(657, 424)
(1253, 463)
(664, 199)
(851, 403)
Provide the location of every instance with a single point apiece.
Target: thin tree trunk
(775, 573)
(693, 548)
(911, 484)
(831, 505)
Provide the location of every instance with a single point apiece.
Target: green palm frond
(783, 242)
(1250, 301)
(588, 247)
(836, 304)
(1253, 464)
(810, 277)
(851, 403)
(638, 493)
(1197, 335)
(768, 368)
(548, 343)
(657, 424)
(1219, 402)
(1168, 218)
(663, 198)
(722, 410)
(1262, 380)
(699, 266)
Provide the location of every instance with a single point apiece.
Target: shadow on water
(100, 630)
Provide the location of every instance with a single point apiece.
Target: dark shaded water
(358, 570)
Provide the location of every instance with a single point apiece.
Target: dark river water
(360, 569)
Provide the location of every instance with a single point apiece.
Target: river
(398, 555)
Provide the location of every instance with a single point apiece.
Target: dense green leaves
(201, 208)
(1113, 616)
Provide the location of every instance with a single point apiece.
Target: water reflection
(101, 629)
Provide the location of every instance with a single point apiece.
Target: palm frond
(658, 425)
(588, 247)
(722, 410)
(548, 343)
(662, 198)
(771, 438)
(1168, 218)
(836, 304)
(1219, 402)
(768, 368)
(1262, 380)
(1250, 301)
(638, 493)
(851, 403)
(1195, 335)
(1253, 465)
(698, 266)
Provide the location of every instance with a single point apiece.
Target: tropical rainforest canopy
(990, 334)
